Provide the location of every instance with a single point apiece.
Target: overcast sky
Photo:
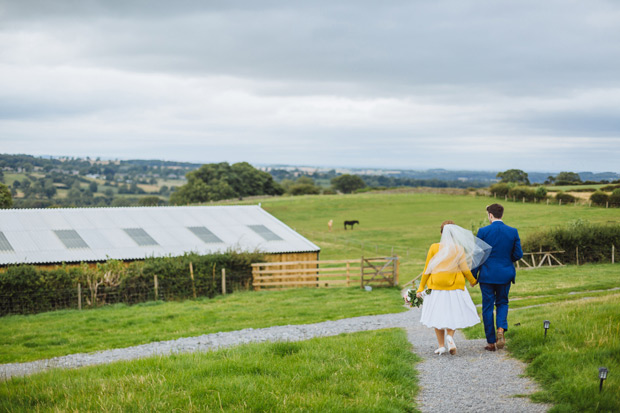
(485, 85)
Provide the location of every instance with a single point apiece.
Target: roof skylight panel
(5, 245)
(70, 238)
(265, 232)
(140, 236)
(205, 235)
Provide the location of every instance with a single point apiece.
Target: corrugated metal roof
(30, 233)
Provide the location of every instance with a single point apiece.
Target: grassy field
(370, 371)
(409, 223)
(33, 337)
(583, 336)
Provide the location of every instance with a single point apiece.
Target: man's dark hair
(497, 210)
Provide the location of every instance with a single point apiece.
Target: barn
(73, 235)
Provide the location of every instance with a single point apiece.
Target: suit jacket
(506, 249)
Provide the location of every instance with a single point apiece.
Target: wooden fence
(326, 273)
(528, 262)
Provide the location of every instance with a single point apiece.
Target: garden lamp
(546, 326)
(602, 374)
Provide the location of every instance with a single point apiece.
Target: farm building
(73, 235)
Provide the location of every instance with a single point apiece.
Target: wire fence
(81, 297)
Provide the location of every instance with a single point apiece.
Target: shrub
(304, 189)
(27, 289)
(500, 189)
(540, 193)
(564, 197)
(594, 241)
(614, 198)
(599, 198)
(520, 192)
(608, 188)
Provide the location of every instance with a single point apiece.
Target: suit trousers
(494, 295)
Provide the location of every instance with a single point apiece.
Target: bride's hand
(419, 295)
(473, 284)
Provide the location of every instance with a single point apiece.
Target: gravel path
(472, 380)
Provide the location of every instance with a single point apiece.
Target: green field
(409, 223)
(370, 371)
(57, 333)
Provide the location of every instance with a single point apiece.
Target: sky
(453, 84)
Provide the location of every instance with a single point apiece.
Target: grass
(39, 336)
(558, 284)
(369, 371)
(584, 335)
(409, 222)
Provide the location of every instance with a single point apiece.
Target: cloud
(390, 83)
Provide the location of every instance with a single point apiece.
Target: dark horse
(351, 223)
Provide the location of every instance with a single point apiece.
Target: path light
(546, 325)
(602, 374)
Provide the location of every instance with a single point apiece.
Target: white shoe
(440, 350)
(451, 344)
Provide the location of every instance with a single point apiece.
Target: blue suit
(497, 273)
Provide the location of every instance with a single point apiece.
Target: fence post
(613, 248)
(156, 286)
(362, 272)
(348, 274)
(577, 254)
(560, 203)
(224, 281)
(524, 200)
(80, 292)
(191, 274)
(547, 201)
(607, 204)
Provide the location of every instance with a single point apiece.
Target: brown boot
(490, 347)
(501, 341)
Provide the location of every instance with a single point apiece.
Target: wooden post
(577, 254)
(524, 200)
(607, 204)
(224, 281)
(560, 203)
(505, 197)
(362, 272)
(156, 286)
(613, 248)
(348, 275)
(396, 271)
(80, 291)
(191, 275)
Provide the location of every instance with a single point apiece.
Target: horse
(350, 223)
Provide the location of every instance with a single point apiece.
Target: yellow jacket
(445, 280)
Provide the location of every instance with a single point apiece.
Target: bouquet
(413, 300)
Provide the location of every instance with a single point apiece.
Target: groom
(497, 273)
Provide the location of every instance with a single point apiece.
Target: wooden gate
(380, 271)
(327, 273)
(529, 260)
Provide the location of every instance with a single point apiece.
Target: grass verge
(46, 335)
(584, 335)
(369, 371)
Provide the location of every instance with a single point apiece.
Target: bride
(449, 305)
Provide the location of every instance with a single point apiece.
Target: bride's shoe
(440, 350)
(451, 344)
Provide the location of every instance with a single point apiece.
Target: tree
(567, 178)
(215, 181)
(6, 200)
(348, 183)
(514, 175)
(614, 198)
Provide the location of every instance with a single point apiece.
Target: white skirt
(450, 309)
